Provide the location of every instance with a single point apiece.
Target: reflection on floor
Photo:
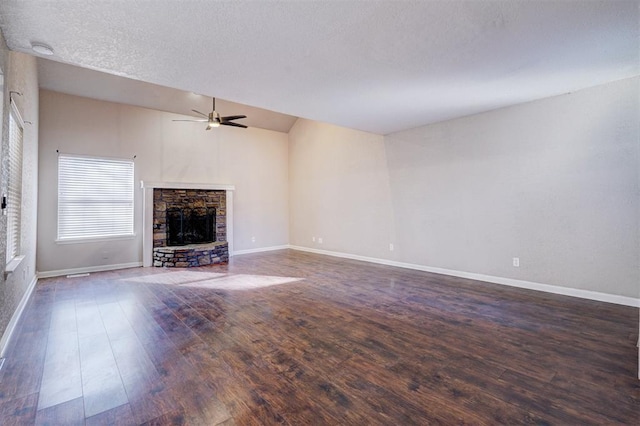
(213, 280)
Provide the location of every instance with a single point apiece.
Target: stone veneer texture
(191, 255)
(164, 199)
(194, 254)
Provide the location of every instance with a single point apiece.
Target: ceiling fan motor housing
(214, 119)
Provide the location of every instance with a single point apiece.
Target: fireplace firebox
(190, 226)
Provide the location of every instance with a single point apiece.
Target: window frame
(74, 239)
(15, 189)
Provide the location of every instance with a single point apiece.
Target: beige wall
(553, 182)
(339, 189)
(254, 160)
(20, 74)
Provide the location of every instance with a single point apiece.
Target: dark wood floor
(295, 338)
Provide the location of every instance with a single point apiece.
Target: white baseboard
(583, 294)
(88, 269)
(261, 249)
(13, 322)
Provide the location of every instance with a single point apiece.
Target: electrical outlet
(319, 240)
(391, 247)
(313, 239)
(516, 262)
(253, 239)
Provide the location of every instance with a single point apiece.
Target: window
(95, 197)
(14, 193)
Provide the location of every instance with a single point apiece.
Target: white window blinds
(14, 195)
(95, 197)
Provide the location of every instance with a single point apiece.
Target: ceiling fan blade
(232, 117)
(213, 119)
(201, 113)
(230, 123)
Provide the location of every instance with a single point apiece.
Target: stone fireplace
(189, 227)
(186, 224)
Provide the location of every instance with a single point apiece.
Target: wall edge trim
(530, 285)
(88, 269)
(17, 314)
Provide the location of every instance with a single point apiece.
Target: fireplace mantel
(147, 208)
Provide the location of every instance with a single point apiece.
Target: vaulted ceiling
(380, 66)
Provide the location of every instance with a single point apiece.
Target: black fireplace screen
(190, 226)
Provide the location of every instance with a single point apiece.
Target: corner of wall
(20, 75)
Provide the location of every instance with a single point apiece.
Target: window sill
(95, 239)
(13, 264)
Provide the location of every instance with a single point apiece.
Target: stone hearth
(191, 255)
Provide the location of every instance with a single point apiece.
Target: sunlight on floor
(214, 281)
(242, 282)
(179, 277)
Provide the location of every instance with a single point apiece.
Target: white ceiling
(78, 81)
(379, 66)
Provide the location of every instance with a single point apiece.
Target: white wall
(254, 160)
(338, 189)
(554, 182)
(20, 75)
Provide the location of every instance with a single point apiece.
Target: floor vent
(78, 275)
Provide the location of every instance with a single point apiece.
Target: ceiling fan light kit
(213, 119)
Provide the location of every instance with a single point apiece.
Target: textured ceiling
(380, 66)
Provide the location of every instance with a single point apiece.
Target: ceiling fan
(213, 119)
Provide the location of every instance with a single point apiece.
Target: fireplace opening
(190, 226)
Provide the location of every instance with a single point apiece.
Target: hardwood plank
(115, 322)
(158, 402)
(521, 394)
(137, 371)
(101, 383)
(61, 378)
(148, 363)
(174, 418)
(19, 411)
(118, 416)
(601, 408)
(344, 343)
(22, 369)
(68, 413)
(89, 319)
(199, 402)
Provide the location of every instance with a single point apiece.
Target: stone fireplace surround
(199, 200)
(186, 255)
(165, 199)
